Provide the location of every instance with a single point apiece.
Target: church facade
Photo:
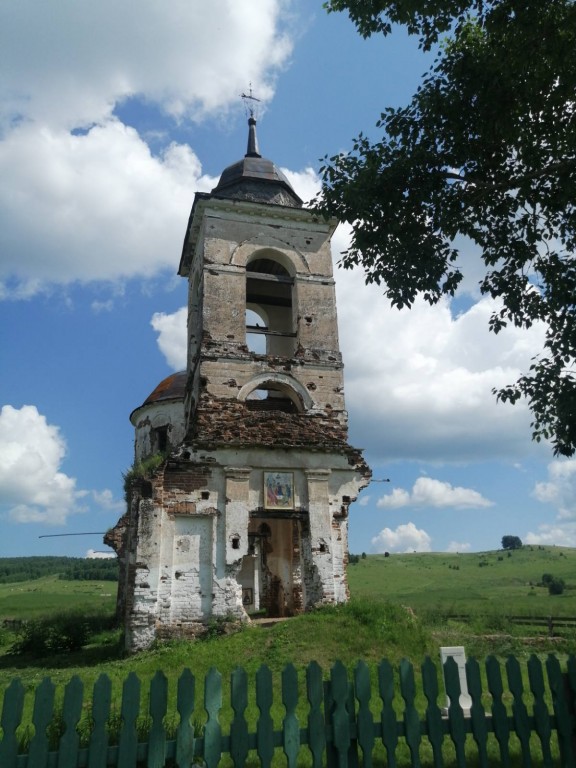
(238, 503)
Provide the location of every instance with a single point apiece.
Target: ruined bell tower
(238, 502)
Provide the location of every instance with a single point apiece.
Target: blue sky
(109, 123)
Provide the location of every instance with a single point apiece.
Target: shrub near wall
(62, 632)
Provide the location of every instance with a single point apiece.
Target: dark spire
(254, 178)
(253, 150)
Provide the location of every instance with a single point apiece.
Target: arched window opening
(271, 396)
(269, 294)
(256, 339)
(160, 439)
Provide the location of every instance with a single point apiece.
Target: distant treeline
(13, 569)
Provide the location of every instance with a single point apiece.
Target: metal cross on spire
(250, 102)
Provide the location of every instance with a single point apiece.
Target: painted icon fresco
(279, 490)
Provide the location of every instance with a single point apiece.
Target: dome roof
(171, 388)
(255, 178)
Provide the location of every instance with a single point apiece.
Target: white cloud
(94, 554)
(458, 546)
(105, 500)
(102, 306)
(32, 487)
(559, 535)
(428, 492)
(95, 204)
(306, 183)
(68, 64)
(560, 490)
(171, 329)
(406, 538)
(398, 498)
(103, 208)
(428, 376)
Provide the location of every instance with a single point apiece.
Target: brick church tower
(238, 501)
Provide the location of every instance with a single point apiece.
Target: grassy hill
(429, 589)
(501, 583)
(49, 594)
(486, 582)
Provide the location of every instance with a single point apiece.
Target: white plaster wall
(168, 413)
(191, 589)
(141, 629)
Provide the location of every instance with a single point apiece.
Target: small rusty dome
(255, 178)
(171, 388)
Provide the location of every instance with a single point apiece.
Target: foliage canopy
(15, 569)
(511, 542)
(485, 150)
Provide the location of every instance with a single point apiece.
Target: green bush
(60, 633)
(511, 542)
(556, 586)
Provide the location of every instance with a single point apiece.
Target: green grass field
(487, 582)
(400, 608)
(32, 599)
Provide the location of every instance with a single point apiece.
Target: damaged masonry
(243, 505)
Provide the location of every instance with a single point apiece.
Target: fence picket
(571, 673)
(71, 713)
(433, 714)
(570, 692)
(265, 725)
(239, 726)
(455, 714)
(290, 725)
(563, 721)
(98, 747)
(41, 717)
(339, 718)
(331, 754)
(477, 713)
(316, 733)
(158, 707)
(388, 715)
(212, 729)
(130, 708)
(499, 714)
(541, 714)
(352, 759)
(11, 717)
(411, 719)
(519, 712)
(364, 716)
(185, 736)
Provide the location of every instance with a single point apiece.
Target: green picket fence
(357, 719)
